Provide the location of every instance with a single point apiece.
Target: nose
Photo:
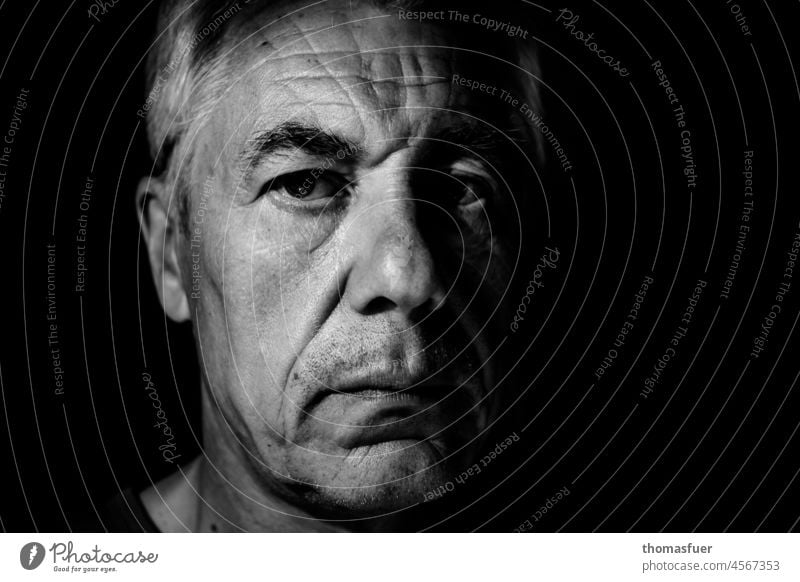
(393, 269)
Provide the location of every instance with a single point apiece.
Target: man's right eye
(306, 185)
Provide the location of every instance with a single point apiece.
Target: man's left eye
(470, 190)
(307, 185)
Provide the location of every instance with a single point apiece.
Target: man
(335, 206)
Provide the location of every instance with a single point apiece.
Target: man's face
(345, 257)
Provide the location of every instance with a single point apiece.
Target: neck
(240, 504)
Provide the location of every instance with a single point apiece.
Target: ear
(161, 234)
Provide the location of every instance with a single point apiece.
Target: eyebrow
(287, 137)
(290, 137)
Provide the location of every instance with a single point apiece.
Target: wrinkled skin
(377, 282)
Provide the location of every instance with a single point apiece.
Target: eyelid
(288, 161)
(473, 171)
(469, 166)
(338, 184)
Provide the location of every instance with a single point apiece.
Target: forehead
(361, 72)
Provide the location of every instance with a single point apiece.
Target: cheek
(293, 261)
(265, 293)
(258, 264)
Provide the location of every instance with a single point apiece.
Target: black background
(713, 448)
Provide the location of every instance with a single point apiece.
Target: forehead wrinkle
(346, 37)
(305, 45)
(382, 112)
(376, 81)
(368, 82)
(389, 50)
(383, 95)
(403, 63)
(361, 82)
(311, 31)
(369, 65)
(291, 25)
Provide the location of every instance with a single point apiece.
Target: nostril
(379, 305)
(383, 305)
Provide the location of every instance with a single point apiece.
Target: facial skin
(343, 259)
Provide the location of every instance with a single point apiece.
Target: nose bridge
(394, 268)
(400, 245)
(399, 233)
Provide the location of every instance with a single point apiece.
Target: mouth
(392, 408)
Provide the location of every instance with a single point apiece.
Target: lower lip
(372, 416)
(384, 395)
(383, 447)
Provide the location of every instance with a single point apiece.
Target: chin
(375, 480)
